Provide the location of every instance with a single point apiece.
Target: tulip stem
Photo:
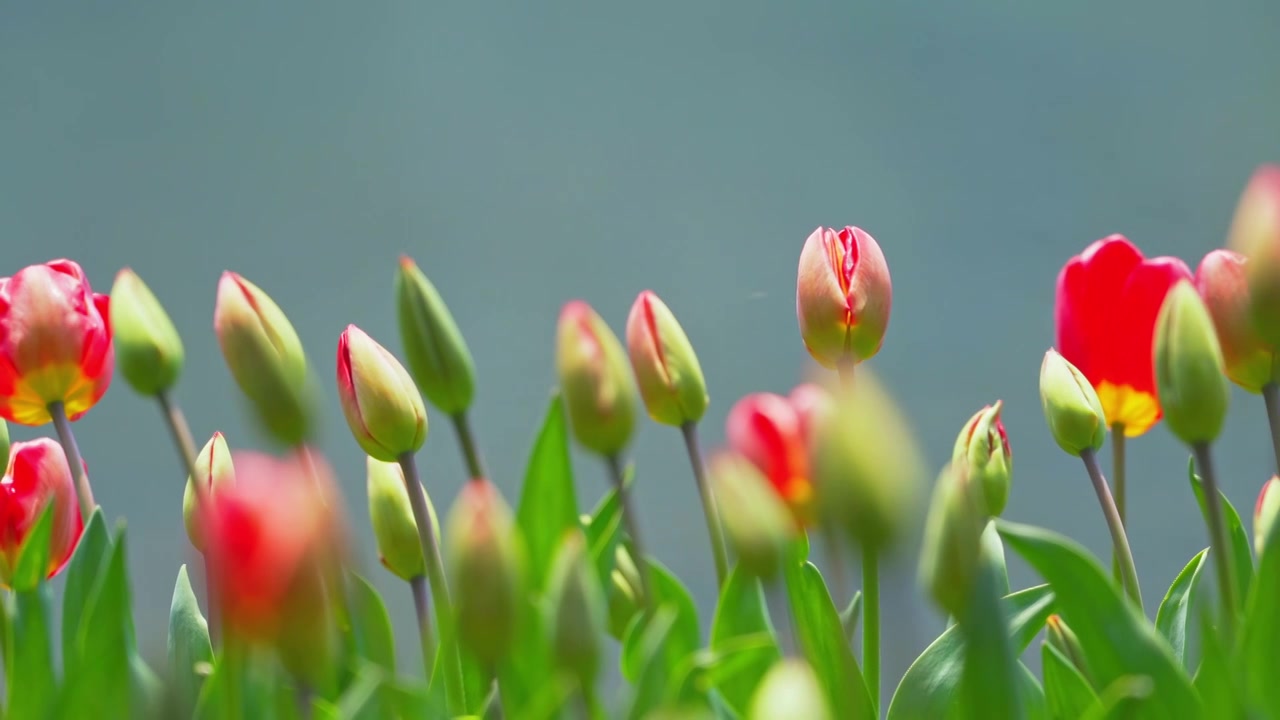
(776, 598)
(633, 529)
(68, 440)
(1219, 549)
(1117, 479)
(1119, 539)
(454, 690)
(690, 431)
(871, 624)
(467, 441)
(421, 608)
(1271, 395)
(181, 433)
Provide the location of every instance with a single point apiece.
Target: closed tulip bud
(594, 380)
(436, 353)
(148, 347)
(789, 691)
(486, 566)
(265, 357)
(576, 607)
(1071, 406)
(983, 447)
(1222, 280)
(624, 593)
(666, 368)
(953, 539)
(1264, 513)
(391, 516)
(380, 401)
(35, 475)
(757, 523)
(1064, 640)
(843, 296)
(215, 472)
(1255, 233)
(1189, 373)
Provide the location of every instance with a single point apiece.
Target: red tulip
(843, 296)
(38, 474)
(1108, 299)
(767, 430)
(55, 343)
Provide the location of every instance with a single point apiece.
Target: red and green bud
(983, 448)
(214, 473)
(391, 515)
(36, 475)
(843, 296)
(576, 606)
(595, 382)
(1071, 406)
(382, 405)
(1264, 513)
(434, 348)
(789, 691)
(1189, 369)
(757, 523)
(665, 365)
(1222, 281)
(148, 349)
(1255, 234)
(953, 538)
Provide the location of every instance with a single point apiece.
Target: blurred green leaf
(850, 615)
(189, 644)
(1260, 634)
(990, 678)
(1220, 686)
(1066, 690)
(31, 682)
(650, 638)
(1174, 617)
(33, 557)
(736, 659)
(413, 700)
(1031, 694)
(98, 673)
(528, 670)
(683, 637)
(604, 530)
(360, 700)
(548, 502)
(371, 625)
(1241, 550)
(993, 546)
(742, 612)
(149, 691)
(82, 572)
(1117, 640)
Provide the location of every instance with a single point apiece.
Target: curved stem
(1119, 540)
(181, 432)
(690, 431)
(1219, 549)
(68, 440)
(421, 605)
(871, 624)
(1271, 395)
(1117, 469)
(467, 443)
(633, 529)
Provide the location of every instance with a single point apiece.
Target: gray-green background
(527, 153)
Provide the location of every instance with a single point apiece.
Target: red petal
(1088, 298)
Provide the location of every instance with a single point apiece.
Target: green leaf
(98, 673)
(1241, 550)
(371, 625)
(414, 700)
(1066, 690)
(1174, 616)
(189, 644)
(742, 613)
(683, 637)
(604, 529)
(994, 548)
(849, 616)
(360, 699)
(82, 572)
(32, 686)
(1031, 694)
(528, 670)
(1260, 634)
(1220, 686)
(650, 639)
(149, 694)
(1116, 639)
(990, 679)
(33, 557)
(548, 503)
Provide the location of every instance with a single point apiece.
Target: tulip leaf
(742, 613)
(361, 699)
(993, 547)
(98, 672)
(149, 691)
(682, 639)
(527, 670)
(190, 652)
(990, 678)
(1067, 692)
(548, 502)
(82, 572)
(1174, 617)
(930, 688)
(1238, 537)
(414, 700)
(1116, 639)
(1260, 635)
(31, 682)
(604, 530)
(649, 639)
(371, 625)
(1030, 693)
(1221, 686)
(33, 557)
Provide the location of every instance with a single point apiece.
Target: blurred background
(529, 153)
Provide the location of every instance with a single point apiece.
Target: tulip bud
(265, 357)
(665, 366)
(1264, 513)
(433, 346)
(391, 515)
(380, 401)
(486, 566)
(1255, 233)
(594, 380)
(843, 296)
(215, 472)
(35, 475)
(767, 430)
(789, 691)
(757, 523)
(1065, 641)
(577, 610)
(148, 347)
(624, 592)
(953, 539)
(1189, 375)
(1071, 406)
(983, 447)
(4, 444)
(1223, 285)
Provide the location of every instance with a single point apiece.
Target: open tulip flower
(37, 475)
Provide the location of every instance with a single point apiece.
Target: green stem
(68, 440)
(776, 598)
(1219, 549)
(181, 433)
(455, 692)
(690, 431)
(1271, 395)
(1117, 478)
(871, 624)
(421, 609)
(1119, 540)
(633, 530)
(467, 443)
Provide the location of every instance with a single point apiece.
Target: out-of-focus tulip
(391, 515)
(379, 399)
(216, 472)
(843, 296)
(595, 380)
(624, 592)
(756, 522)
(665, 365)
(813, 405)
(1189, 369)
(148, 347)
(1064, 640)
(434, 349)
(953, 538)
(55, 343)
(789, 691)
(37, 474)
(983, 447)
(1223, 284)
(1255, 233)
(1071, 406)
(1264, 513)
(1107, 301)
(265, 357)
(766, 429)
(576, 608)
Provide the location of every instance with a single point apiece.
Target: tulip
(1189, 368)
(436, 353)
(576, 607)
(813, 406)
(765, 429)
(1071, 406)
(37, 474)
(1064, 640)
(756, 522)
(1222, 282)
(379, 399)
(148, 347)
(789, 691)
(953, 538)
(1107, 301)
(843, 296)
(665, 365)
(55, 343)
(1255, 233)
(983, 447)
(391, 515)
(1264, 513)
(216, 472)
(625, 592)
(595, 381)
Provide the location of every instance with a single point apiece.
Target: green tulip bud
(624, 592)
(214, 472)
(595, 381)
(983, 447)
(148, 348)
(391, 516)
(1264, 513)
(952, 544)
(665, 365)
(1071, 406)
(576, 607)
(789, 691)
(756, 521)
(380, 401)
(1190, 379)
(433, 346)
(1064, 640)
